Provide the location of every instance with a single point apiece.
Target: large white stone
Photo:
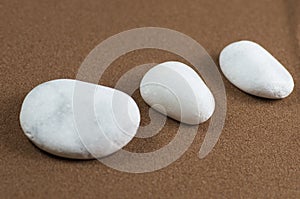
(176, 90)
(74, 119)
(254, 70)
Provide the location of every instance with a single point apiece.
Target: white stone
(79, 120)
(176, 90)
(254, 70)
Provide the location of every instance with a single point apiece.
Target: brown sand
(258, 152)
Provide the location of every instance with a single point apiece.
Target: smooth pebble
(66, 123)
(254, 70)
(176, 90)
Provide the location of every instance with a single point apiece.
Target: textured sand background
(258, 152)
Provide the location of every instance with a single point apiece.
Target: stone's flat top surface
(254, 70)
(179, 91)
(79, 120)
(258, 150)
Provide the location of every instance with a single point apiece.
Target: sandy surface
(257, 155)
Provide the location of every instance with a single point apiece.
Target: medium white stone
(176, 90)
(254, 70)
(74, 119)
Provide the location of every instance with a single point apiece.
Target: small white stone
(176, 90)
(60, 117)
(254, 70)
